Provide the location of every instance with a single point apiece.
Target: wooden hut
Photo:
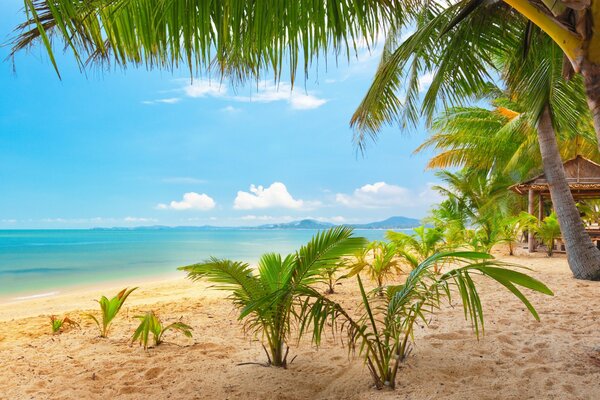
(583, 177)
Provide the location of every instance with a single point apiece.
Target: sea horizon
(44, 262)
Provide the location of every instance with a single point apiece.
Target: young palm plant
(151, 324)
(418, 246)
(110, 309)
(548, 231)
(384, 331)
(380, 262)
(60, 324)
(512, 226)
(267, 297)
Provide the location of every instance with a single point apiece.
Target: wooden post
(540, 207)
(531, 210)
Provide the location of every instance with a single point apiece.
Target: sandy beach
(518, 358)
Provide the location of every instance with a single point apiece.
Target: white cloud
(274, 196)
(425, 80)
(190, 201)
(183, 180)
(231, 109)
(384, 195)
(266, 92)
(205, 88)
(171, 100)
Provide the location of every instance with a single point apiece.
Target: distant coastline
(311, 224)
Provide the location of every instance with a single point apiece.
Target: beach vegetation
(548, 231)
(59, 325)
(413, 248)
(379, 261)
(512, 227)
(267, 297)
(331, 275)
(383, 331)
(109, 308)
(150, 324)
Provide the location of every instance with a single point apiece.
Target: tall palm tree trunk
(583, 256)
(591, 77)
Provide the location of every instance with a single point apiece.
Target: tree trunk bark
(582, 255)
(591, 78)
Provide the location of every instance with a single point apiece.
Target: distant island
(390, 223)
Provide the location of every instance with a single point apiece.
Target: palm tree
(277, 278)
(531, 66)
(499, 140)
(481, 200)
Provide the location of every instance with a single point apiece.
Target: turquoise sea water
(42, 261)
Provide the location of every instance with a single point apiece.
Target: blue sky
(138, 147)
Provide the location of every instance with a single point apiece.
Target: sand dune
(519, 358)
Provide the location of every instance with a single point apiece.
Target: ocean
(35, 263)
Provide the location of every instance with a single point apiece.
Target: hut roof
(583, 177)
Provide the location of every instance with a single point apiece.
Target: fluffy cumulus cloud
(190, 201)
(384, 195)
(274, 196)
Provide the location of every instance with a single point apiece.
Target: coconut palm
(383, 333)
(460, 65)
(499, 140)
(276, 278)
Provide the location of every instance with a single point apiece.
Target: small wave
(35, 296)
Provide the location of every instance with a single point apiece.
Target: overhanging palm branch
(240, 38)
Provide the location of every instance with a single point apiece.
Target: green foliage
(512, 226)
(61, 324)
(379, 260)
(590, 210)
(416, 247)
(383, 333)
(241, 39)
(151, 324)
(266, 297)
(109, 310)
(330, 275)
(548, 231)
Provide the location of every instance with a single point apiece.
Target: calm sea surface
(35, 262)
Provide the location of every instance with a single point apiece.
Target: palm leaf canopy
(241, 38)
